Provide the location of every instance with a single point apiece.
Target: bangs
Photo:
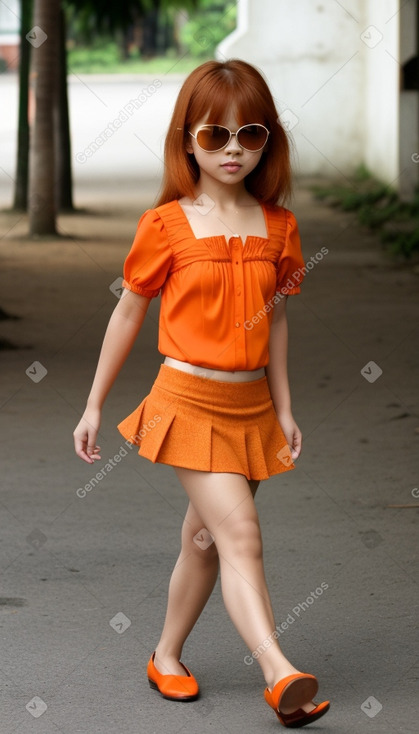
(215, 99)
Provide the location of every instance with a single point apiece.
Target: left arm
(277, 375)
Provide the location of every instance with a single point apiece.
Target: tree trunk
(150, 31)
(22, 162)
(63, 177)
(44, 39)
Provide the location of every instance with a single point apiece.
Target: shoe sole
(181, 699)
(303, 721)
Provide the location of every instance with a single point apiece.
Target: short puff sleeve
(148, 262)
(290, 267)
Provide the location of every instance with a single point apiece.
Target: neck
(224, 195)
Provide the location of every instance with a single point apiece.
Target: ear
(189, 148)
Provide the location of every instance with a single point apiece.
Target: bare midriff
(211, 374)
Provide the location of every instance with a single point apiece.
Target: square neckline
(222, 236)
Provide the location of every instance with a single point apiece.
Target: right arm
(123, 328)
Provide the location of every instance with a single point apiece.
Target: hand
(292, 433)
(85, 436)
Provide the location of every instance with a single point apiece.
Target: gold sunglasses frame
(249, 124)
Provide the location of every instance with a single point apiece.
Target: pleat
(228, 450)
(197, 423)
(183, 442)
(131, 425)
(256, 452)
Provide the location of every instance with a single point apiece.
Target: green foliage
(105, 56)
(98, 28)
(402, 243)
(105, 16)
(91, 18)
(207, 26)
(378, 206)
(100, 57)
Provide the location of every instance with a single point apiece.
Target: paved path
(84, 578)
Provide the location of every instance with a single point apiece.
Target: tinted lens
(212, 137)
(252, 137)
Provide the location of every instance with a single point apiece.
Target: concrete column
(409, 107)
(330, 66)
(381, 59)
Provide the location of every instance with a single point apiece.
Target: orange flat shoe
(292, 692)
(173, 687)
(301, 718)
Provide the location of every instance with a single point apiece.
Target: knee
(201, 544)
(243, 538)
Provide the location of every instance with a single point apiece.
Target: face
(231, 164)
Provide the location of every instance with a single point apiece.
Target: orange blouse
(217, 296)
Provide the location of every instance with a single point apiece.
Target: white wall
(10, 19)
(334, 83)
(409, 109)
(382, 75)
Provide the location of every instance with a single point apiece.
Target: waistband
(210, 374)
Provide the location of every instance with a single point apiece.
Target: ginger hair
(205, 94)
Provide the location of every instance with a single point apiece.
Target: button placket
(238, 291)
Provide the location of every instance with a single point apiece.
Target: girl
(225, 256)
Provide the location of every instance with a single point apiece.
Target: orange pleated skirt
(199, 423)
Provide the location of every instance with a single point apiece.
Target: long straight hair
(206, 94)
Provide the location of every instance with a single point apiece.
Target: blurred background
(86, 93)
(95, 83)
(101, 58)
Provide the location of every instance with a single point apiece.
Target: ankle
(167, 653)
(276, 674)
(168, 664)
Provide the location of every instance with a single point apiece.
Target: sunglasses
(215, 137)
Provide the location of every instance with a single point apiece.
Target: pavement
(85, 573)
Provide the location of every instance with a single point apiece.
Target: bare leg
(225, 504)
(191, 584)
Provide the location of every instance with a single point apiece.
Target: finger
(81, 453)
(88, 454)
(93, 452)
(296, 447)
(89, 458)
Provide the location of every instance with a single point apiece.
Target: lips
(232, 166)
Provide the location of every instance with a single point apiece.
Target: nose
(233, 145)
